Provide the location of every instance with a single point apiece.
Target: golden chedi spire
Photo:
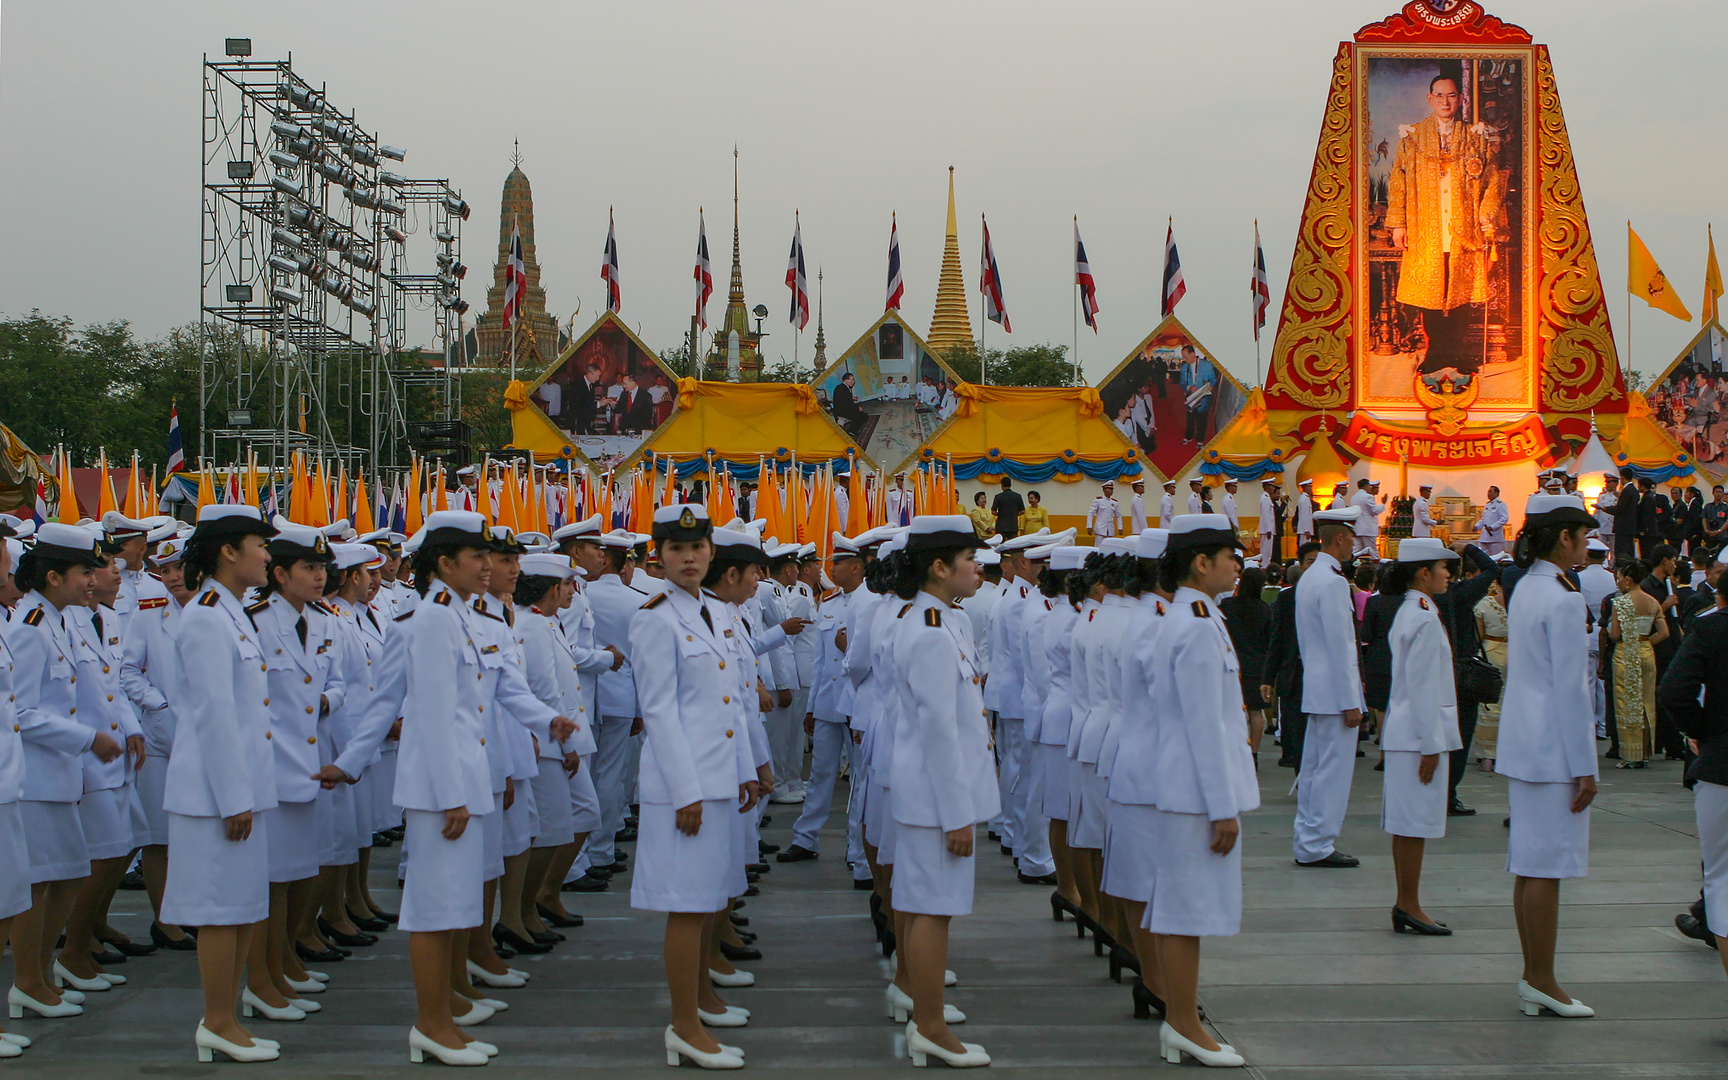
(516, 209)
(950, 326)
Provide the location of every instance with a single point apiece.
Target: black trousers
(1454, 339)
(1196, 428)
(1292, 731)
(1460, 758)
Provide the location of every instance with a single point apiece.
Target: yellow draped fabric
(1248, 440)
(1027, 425)
(745, 422)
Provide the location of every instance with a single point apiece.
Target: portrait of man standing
(1443, 203)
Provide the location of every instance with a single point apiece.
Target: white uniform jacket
(11, 736)
(1137, 515)
(1547, 725)
(102, 704)
(1204, 765)
(691, 749)
(360, 641)
(800, 603)
(224, 757)
(1422, 714)
(1080, 687)
(861, 611)
(1368, 520)
(553, 676)
(1268, 515)
(300, 678)
(1326, 637)
(943, 775)
(150, 670)
(614, 605)
(1056, 638)
(591, 656)
(505, 697)
(1493, 523)
(831, 692)
(1035, 670)
(1106, 665)
(978, 607)
(1304, 514)
(45, 684)
(1103, 517)
(1007, 666)
(1134, 774)
(1166, 509)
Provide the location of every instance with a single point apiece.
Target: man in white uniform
(1596, 583)
(899, 501)
(1025, 831)
(1370, 504)
(1605, 504)
(1195, 503)
(1304, 512)
(1104, 515)
(1422, 519)
(1137, 509)
(1167, 505)
(1268, 523)
(1331, 694)
(1228, 505)
(1492, 524)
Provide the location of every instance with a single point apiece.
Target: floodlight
(760, 311)
(396, 234)
(237, 294)
(391, 206)
(328, 125)
(444, 236)
(363, 155)
(335, 239)
(239, 170)
(237, 46)
(363, 260)
(300, 216)
(305, 149)
(447, 281)
(287, 186)
(360, 197)
(455, 205)
(363, 307)
(287, 239)
(458, 305)
(287, 295)
(393, 179)
(460, 271)
(336, 287)
(394, 153)
(287, 130)
(280, 158)
(285, 264)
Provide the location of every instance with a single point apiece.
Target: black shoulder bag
(1477, 679)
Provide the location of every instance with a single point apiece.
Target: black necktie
(300, 628)
(97, 619)
(708, 619)
(371, 618)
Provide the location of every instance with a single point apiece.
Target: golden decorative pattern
(1311, 356)
(1579, 366)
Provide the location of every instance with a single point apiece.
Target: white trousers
(1031, 845)
(1266, 546)
(831, 744)
(1711, 803)
(786, 740)
(610, 761)
(1010, 740)
(1365, 545)
(1323, 789)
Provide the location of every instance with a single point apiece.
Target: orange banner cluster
(1521, 441)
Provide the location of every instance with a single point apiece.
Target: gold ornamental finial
(950, 325)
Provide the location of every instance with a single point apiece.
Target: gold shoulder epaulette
(654, 601)
(1566, 581)
(1200, 609)
(404, 615)
(443, 598)
(253, 609)
(905, 609)
(209, 599)
(34, 618)
(932, 616)
(1423, 600)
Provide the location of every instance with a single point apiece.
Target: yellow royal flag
(1646, 281)
(1712, 281)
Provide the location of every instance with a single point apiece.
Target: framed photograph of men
(1170, 397)
(1444, 203)
(607, 393)
(1690, 400)
(888, 391)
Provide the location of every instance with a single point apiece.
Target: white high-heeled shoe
(113, 979)
(17, 1001)
(477, 1014)
(22, 1042)
(419, 1046)
(484, 1047)
(900, 1008)
(252, 1005)
(1174, 1044)
(71, 996)
(921, 1049)
(309, 986)
(305, 1006)
(62, 977)
(518, 972)
(507, 981)
(10, 1050)
(317, 976)
(731, 1018)
(491, 1003)
(677, 1049)
(950, 979)
(733, 979)
(1534, 1001)
(208, 1042)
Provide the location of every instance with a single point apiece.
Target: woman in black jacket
(1250, 621)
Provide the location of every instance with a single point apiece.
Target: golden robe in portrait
(1440, 191)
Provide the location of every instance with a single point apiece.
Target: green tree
(1025, 365)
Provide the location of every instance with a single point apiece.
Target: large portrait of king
(1446, 212)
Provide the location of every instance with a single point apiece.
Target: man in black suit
(581, 406)
(1457, 608)
(1700, 670)
(846, 408)
(1663, 587)
(1282, 675)
(1008, 506)
(1625, 511)
(1653, 512)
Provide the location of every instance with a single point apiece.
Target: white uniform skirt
(675, 872)
(1088, 794)
(492, 839)
(55, 838)
(215, 881)
(1710, 801)
(335, 809)
(928, 878)
(1548, 840)
(14, 862)
(385, 813)
(445, 888)
(296, 842)
(552, 805)
(151, 783)
(1410, 807)
(584, 799)
(880, 828)
(1194, 892)
(106, 817)
(1130, 853)
(1054, 761)
(519, 819)
(746, 848)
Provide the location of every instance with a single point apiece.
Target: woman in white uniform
(942, 775)
(14, 854)
(1054, 638)
(1420, 728)
(1206, 779)
(694, 769)
(55, 575)
(1547, 748)
(221, 781)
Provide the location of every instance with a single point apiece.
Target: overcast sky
(1124, 112)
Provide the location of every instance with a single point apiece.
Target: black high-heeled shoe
(737, 954)
(1403, 921)
(1059, 907)
(888, 944)
(346, 941)
(319, 956)
(547, 937)
(1146, 1002)
(509, 938)
(128, 948)
(552, 918)
(1123, 960)
(746, 937)
(368, 924)
(185, 943)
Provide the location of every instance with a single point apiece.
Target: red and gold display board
(1444, 306)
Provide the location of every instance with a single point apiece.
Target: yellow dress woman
(1636, 627)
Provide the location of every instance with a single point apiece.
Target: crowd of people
(253, 709)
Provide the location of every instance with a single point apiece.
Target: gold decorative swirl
(1311, 355)
(1579, 364)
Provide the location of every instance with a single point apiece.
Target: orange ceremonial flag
(105, 500)
(69, 514)
(1712, 280)
(413, 516)
(857, 512)
(1646, 281)
(483, 493)
(363, 522)
(134, 507)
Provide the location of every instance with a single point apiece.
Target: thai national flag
(799, 315)
(609, 268)
(398, 508)
(515, 278)
(991, 285)
(704, 274)
(1174, 287)
(176, 449)
(1260, 290)
(896, 286)
(40, 510)
(1083, 278)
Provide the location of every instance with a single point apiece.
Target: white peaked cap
(1420, 549)
(546, 564)
(1068, 557)
(1150, 543)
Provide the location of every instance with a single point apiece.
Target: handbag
(1475, 676)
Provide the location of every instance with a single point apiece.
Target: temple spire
(950, 325)
(821, 360)
(737, 316)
